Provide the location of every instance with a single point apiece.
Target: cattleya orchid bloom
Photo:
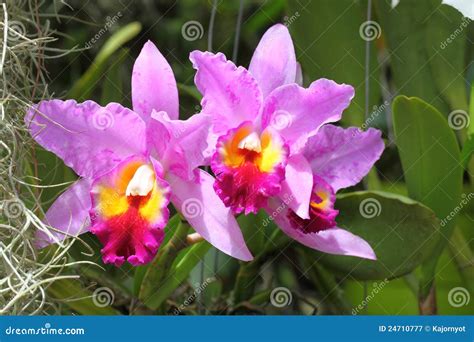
(132, 163)
(273, 149)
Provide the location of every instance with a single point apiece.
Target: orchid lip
(249, 167)
(130, 211)
(322, 214)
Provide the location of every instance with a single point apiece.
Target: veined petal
(230, 94)
(153, 84)
(182, 147)
(68, 214)
(130, 227)
(297, 187)
(298, 113)
(332, 240)
(89, 138)
(249, 167)
(273, 63)
(343, 156)
(200, 206)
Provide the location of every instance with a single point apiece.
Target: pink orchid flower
(273, 149)
(132, 164)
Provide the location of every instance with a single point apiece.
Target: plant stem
(246, 280)
(159, 267)
(463, 256)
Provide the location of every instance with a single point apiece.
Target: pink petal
(297, 187)
(273, 63)
(180, 144)
(333, 240)
(205, 212)
(158, 136)
(89, 138)
(69, 214)
(230, 94)
(297, 113)
(153, 84)
(343, 156)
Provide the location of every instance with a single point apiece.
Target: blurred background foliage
(406, 57)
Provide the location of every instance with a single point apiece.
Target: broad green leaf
(328, 44)
(401, 231)
(178, 273)
(430, 159)
(253, 228)
(447, 55)
(405, 29)
(433, 172)
(467, 151)
(70, 293)
(84, 87)
(393, 297)
(470, 127)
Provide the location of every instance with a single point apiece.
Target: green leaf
(401, 231)
(405, 29)
(329, 45)
(112, 85)
(84, 87)
(331, 297)
(190, 91)
(470, 128)
(430, 159)
(268, 13)
(447, 55)
(467, 151)
(156, 270)
(52, 172)
(178, 273)
(431, 162)
(70, 293)
(211, 290)
(253, 228)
